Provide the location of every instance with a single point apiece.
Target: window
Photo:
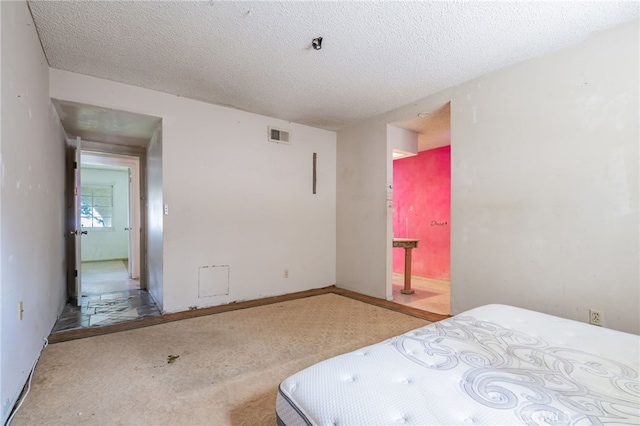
(97, 206)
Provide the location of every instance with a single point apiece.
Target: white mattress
(491, 365)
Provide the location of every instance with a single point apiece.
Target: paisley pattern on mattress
(508, 369)
(491, 365)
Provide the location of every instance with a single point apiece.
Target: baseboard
(64, 336)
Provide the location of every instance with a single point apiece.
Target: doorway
(110, 290)
(110, 251)
(106, 243)
(422, 210)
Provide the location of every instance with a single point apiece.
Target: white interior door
(78, 231)
(130, 215)
(134, 218)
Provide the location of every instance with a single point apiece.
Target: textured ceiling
(434, 129)
(105, 125)
(257, 56)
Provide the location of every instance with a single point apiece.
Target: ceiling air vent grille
(279, 135)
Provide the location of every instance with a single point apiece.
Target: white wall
(109, 243)
(234, 198)
(365, 204)
(32, 192)
(3, 411)
(362, 210)
(155, 218)
(544, 184)
(402, 140)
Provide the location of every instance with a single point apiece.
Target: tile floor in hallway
(430, 295)
(108, 297)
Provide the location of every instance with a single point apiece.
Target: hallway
(107, 276)
(109, 297)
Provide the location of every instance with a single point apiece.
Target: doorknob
(83, 232)
(77, 232)
(127, 229)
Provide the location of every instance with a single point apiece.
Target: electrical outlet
(20, 311)
(286, 273)
(595, 317)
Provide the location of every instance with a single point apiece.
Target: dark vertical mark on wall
(315, 178)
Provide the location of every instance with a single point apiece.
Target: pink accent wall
(422, 210)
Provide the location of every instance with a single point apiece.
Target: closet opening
(422, 211)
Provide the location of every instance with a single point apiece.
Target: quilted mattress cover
(491, 365)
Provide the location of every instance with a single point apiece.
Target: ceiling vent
(279, 135)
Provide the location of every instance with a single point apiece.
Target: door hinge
(75, 164)
(75, 273)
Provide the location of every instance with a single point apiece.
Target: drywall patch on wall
(213, 280)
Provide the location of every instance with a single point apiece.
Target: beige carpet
(228, 370)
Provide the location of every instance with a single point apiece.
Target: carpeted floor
(228, 368)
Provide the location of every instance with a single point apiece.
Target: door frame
(113, 150)
(420, 126)
(71, 228)
(131, 163)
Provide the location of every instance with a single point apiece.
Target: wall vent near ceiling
(279, 135)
